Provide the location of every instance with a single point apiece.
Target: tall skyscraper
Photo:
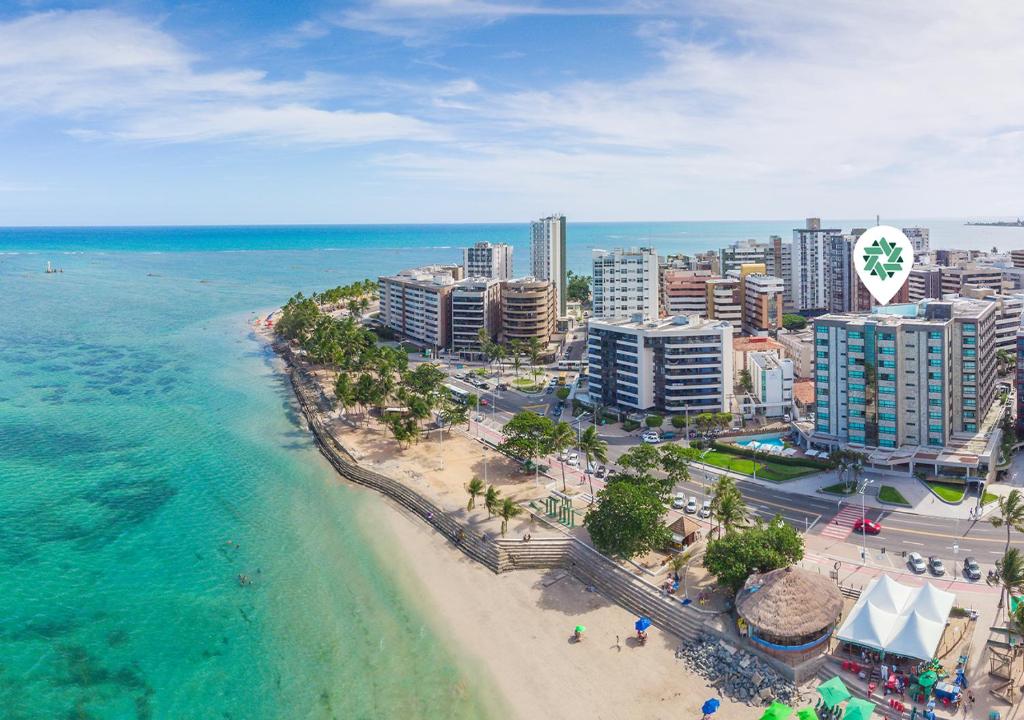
(547, 255)
(625, 282)
(810, 287)
(488, 260)
(780, 264)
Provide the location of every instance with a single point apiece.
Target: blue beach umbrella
(642, 624)
(710, 706)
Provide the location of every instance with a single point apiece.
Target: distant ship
(50, 269)
(1001, 223)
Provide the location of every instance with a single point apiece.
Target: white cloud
(116, 76)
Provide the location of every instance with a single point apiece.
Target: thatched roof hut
(789, 609)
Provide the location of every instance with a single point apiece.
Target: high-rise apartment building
(488, 260)
(925, 282)
(918, 237)
(798, 346)
(547, 256)
(476, 306)
(527, 311)
(625, 282)
(1009, 312)
(846, 291)
(1017, 257)
(919, 377)
(808, 267)
(680, 364)
(780, 264)
(954, 279)
(762, 300)
(725, 301)
(745, 252)
(684, 292)
(416, 303)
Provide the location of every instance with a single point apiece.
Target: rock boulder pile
(737, 674)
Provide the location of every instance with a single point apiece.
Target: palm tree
(1011, 575)
(454, 414)
(500, 354)
(344, 392)
(593, 448)
(474, 488)
(515, 349)
(562, 438)
(534, 349)
(1011, 515)
(727, 504)
(491, 499)
(506, 512)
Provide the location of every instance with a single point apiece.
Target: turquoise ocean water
(142, 428)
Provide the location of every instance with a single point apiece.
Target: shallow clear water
(149, 456)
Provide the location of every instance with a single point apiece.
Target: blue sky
(466, 111)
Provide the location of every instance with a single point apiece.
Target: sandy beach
(516, 627)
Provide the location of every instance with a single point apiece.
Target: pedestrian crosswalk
(841, 525)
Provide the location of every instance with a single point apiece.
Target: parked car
(936, 566)
(916, 563)
(705, 510)
(651, 437)
(691, 505)
(573, 459)
(668, 436)
(972, 570)
(867, 526)
(550, 389)
(601, 470)
(679, 501)
(485, 402)
(501, 387)
(483, 386)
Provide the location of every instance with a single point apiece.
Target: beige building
(724, 301)
(684, 292)
(527, 310)
(762, 296)
(416, 303)
(799, 347)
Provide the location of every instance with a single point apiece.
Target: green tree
(1011, 516)
(454, 413)
(577, 287)
(561, 439)
(1011, 575)
(794, 322)
(736, 556)
(675, 461)
(593, 448)
(727, 504)
(474, 488)
(344, 392)
(506, 511)
(562, 393)
(627, 521)
(492, 498)
(678, 422)
(516, 352)
(527, 436)
(534, 350)
(745, 381)
(638, 465)
(427, 379)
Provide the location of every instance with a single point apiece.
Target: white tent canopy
(898, 619)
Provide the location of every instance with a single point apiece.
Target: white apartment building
(918, 237)
(1009, 312)
(725, 301)
(681, 364)
(808, 265)
(625, 282)
(771, 380)
(476, 306)
(547, 256)
(416, 303)
(487, 260)
(745, 252)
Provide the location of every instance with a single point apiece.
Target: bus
(570, 365)
(457, 394)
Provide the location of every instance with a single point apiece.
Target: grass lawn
(949, 493)
(988, 498)
(840, 489)
(889, 494)
(766, 470)
(526, 385)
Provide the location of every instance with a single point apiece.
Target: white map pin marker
(883, 257)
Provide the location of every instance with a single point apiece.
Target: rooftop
(789, 602)
(674, 322)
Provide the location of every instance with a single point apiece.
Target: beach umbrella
(777, 711)
(806, 713)
(710, 706)
(927, 679)
(833, 692)
(580, 628)
(642, 624)
(857, 709)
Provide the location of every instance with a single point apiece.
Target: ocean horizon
(150, 455)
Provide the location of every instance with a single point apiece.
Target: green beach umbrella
(580, 628)
(806, 713)
(857, 709)
(777, 711)
(927, 679)
(833, 692)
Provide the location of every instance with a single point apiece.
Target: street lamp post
(863, 532)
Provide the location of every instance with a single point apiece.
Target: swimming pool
(763, 441)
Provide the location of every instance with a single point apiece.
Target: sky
(498, 111)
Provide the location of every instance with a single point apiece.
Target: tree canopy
(577, 287)
(627, 521)
(766, 546)
(792, 321)
(527, 436)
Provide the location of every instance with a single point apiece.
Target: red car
(485, 402)
(867, 526)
